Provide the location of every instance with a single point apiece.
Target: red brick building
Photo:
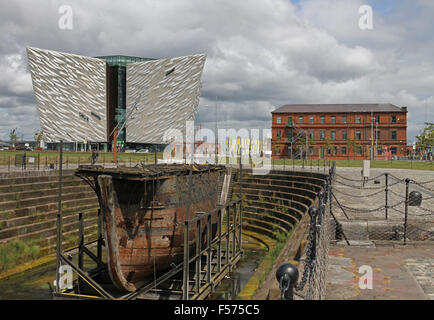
(339, 131)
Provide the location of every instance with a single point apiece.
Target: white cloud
(260, 53)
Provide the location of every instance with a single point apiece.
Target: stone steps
(9, 224)
(32, 210)
(13, 179)
(282, 225)
(33, 202)
(14, 232)
(39, 236)
(268, 216)
(25, 195)
(54, 184)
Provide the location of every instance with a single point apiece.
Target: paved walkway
(399, 273)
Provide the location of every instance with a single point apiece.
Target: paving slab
(399, 273)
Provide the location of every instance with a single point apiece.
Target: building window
(300, 119)
(322, 134)
(344, 150)
(335, 150)
(311, 120)
(393, 135)
(333, 135)
(379, 150)
(321, 119)
(278, 133)
(290, 121)
(333, 119)
(393, 150)
(377, 134)
(393, 119)
(344, 134)
(344, 119)
(359, 150)
(311, 150)
(277, 149)
(358, 120)
(377, 119)
(311, 136)
(358, 135)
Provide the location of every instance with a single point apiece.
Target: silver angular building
(81, 100)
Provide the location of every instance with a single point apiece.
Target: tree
(425, 140)
(329, 145)
(353, 146)
(39, 135)
(13, 137)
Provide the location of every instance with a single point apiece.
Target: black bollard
(287, 276)
(415, 199)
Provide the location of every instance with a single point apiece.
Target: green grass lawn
(107, 157)
(8, 157)
(393, 164)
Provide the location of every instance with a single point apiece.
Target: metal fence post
(407, 182)
(186, 261)
(59, 222)
(386, 194)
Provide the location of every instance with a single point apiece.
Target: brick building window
(344, 119)
(278, 120)
(300, 119)
(358, 135)
(322, 134)
(377, 134)
(311, 120)
(344, 150)
(333, 135)
(278, 134)
(290, 121)
(393, 119)
(344, 134)
(333, 119)
(311, 135)
(393, 150)
(322, 119)
(358, 120)
(393, 135)
(377, 119)
(359, 150)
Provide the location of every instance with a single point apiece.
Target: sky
(261, 54)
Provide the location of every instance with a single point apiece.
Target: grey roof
(311, 108)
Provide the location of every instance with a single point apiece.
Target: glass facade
(119, 63)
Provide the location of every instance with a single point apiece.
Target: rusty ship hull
(144, 211)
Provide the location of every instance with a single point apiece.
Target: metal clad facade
(70, 93)
(162, 94)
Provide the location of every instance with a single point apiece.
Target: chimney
(404, 109)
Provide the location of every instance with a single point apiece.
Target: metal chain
(362, 196)
(396, 194)
(426, 210)
(359, 180)
(358, 187)
(362, 210)
(309, 250)
(421, 185)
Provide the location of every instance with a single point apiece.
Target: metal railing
(399, 224)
